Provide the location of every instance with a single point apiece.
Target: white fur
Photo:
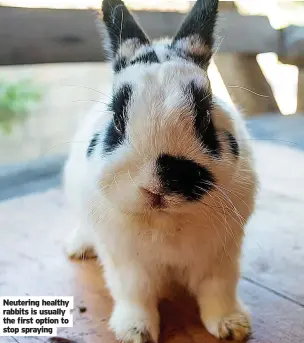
(142, 250)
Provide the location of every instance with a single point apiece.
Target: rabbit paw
(236, 327)
(133, 326)
(76, 248)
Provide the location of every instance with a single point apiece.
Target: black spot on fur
(116, 131)
(200, 60)
(120, 25)
(148, 57)
(112, 139)
(92, 145)
(179, 175)
(204, 128)
(119, 64)
(233, 144)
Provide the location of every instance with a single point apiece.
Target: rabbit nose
(156, 199)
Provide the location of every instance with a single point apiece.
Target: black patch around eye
(115, 133)
(182, 176)
(203, 124)
(233, 144)
(120, 64)
(92, 145)
(119, 104)
(113, 138)
(148, 57)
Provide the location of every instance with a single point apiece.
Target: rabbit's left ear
(124, 36)
(195, 38)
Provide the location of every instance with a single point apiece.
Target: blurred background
(53, 69)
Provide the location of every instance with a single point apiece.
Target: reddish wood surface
(32, 262)
(275, 320)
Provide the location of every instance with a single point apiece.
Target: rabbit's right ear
(195, 38)
(123, 34)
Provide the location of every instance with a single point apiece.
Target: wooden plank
(246, 34)
(43, 35)
(246, 83)
(273, 250)
(275, 320)
(292, 52)
(300, 97)
(292, 41)
(66, 35)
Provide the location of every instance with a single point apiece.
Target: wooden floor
(33, 263)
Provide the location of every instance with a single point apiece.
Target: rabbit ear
(124, 36)
(195, 38)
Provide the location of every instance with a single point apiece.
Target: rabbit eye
(204, 127)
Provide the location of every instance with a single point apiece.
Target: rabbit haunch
(161, 180)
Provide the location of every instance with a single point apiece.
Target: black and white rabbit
(161, 179)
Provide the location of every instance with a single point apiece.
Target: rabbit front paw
(133, 324)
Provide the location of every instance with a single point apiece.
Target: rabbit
(161, 179)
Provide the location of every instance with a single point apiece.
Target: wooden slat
(43, 35)
(292, 41)
(246, 83)
(300, 98)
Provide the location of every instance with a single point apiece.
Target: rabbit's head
(167, 142)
